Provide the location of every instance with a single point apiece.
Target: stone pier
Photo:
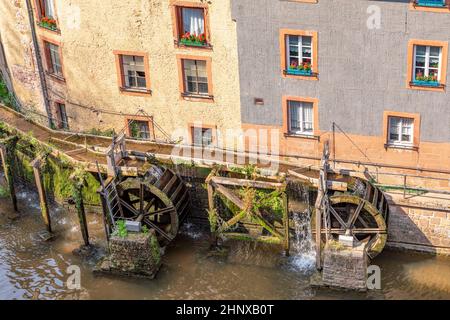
(345, 267)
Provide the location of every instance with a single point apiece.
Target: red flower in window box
(48, 23)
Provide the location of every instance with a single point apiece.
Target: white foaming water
(191, 231)
(304, 255)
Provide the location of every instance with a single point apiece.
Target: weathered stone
(345, 267)
(137, 254)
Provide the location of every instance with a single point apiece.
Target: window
(195, 77)
(299, 54)
(299, 57)
(53, 59)
(401, 131)
(132, 72)
(63, 122)
(139, 129)
(191, 24)
(202, 136)
(427, 62)
(427, 65)
(47, 14)
(46, 8)
(300, 117)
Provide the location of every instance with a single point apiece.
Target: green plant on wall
(156, 253)
(121, 229)
(134, 129)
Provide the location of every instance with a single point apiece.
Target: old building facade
(368, 77)
(371, 77)
(105, 61)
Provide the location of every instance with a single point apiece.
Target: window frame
(177, 22)
(213, 128)
(39, 10)
(48, 60)
(411, 67)
(59, 117)
(150, 124)
(121, 77)
(287, 121)
(182, 84)
(284, 33)
(387, 115)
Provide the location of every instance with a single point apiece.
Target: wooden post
(105, 216)
(286, 224)
(6, 154)
(79, 204)
(36, 164)
(318, 211)
(211, 209)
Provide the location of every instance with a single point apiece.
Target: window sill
(303, 76)
(180, 44)
(56, 30)
(426, 87)
(302, 136)
(197, 97)
(135, 92)
(56, 77)
(399, 146)
(416, 6)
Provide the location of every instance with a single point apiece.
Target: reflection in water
(33, 269)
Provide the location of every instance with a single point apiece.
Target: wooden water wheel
(159, 200)
(361, 212)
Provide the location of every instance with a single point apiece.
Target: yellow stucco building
(108, 62)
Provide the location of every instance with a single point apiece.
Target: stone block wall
(345, 267)
(419, 224)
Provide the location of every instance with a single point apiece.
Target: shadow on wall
(417, 228)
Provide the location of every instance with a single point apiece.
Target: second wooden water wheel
(361, 212)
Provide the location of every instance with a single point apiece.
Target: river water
(31, 268)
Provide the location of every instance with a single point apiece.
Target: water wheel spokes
(354, 216)
(158, 203)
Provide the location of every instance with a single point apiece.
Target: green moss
(156, 253)
(212, 217)
(4, 192)
(102, 133)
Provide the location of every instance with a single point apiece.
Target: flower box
(426, 83)
(188, 42)
(48, 23)
(299, 72)
(431, 3)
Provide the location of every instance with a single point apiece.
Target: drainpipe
(39, 62)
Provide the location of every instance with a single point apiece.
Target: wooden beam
(331, 184)
(36, 164)
(248, 183)
(8, 174)
(257, 214)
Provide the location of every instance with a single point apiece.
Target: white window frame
(427, 62)
(300, 50)
(301, 121)
(401, 126)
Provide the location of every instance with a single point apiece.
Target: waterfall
(304, 254)
(303, 247)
